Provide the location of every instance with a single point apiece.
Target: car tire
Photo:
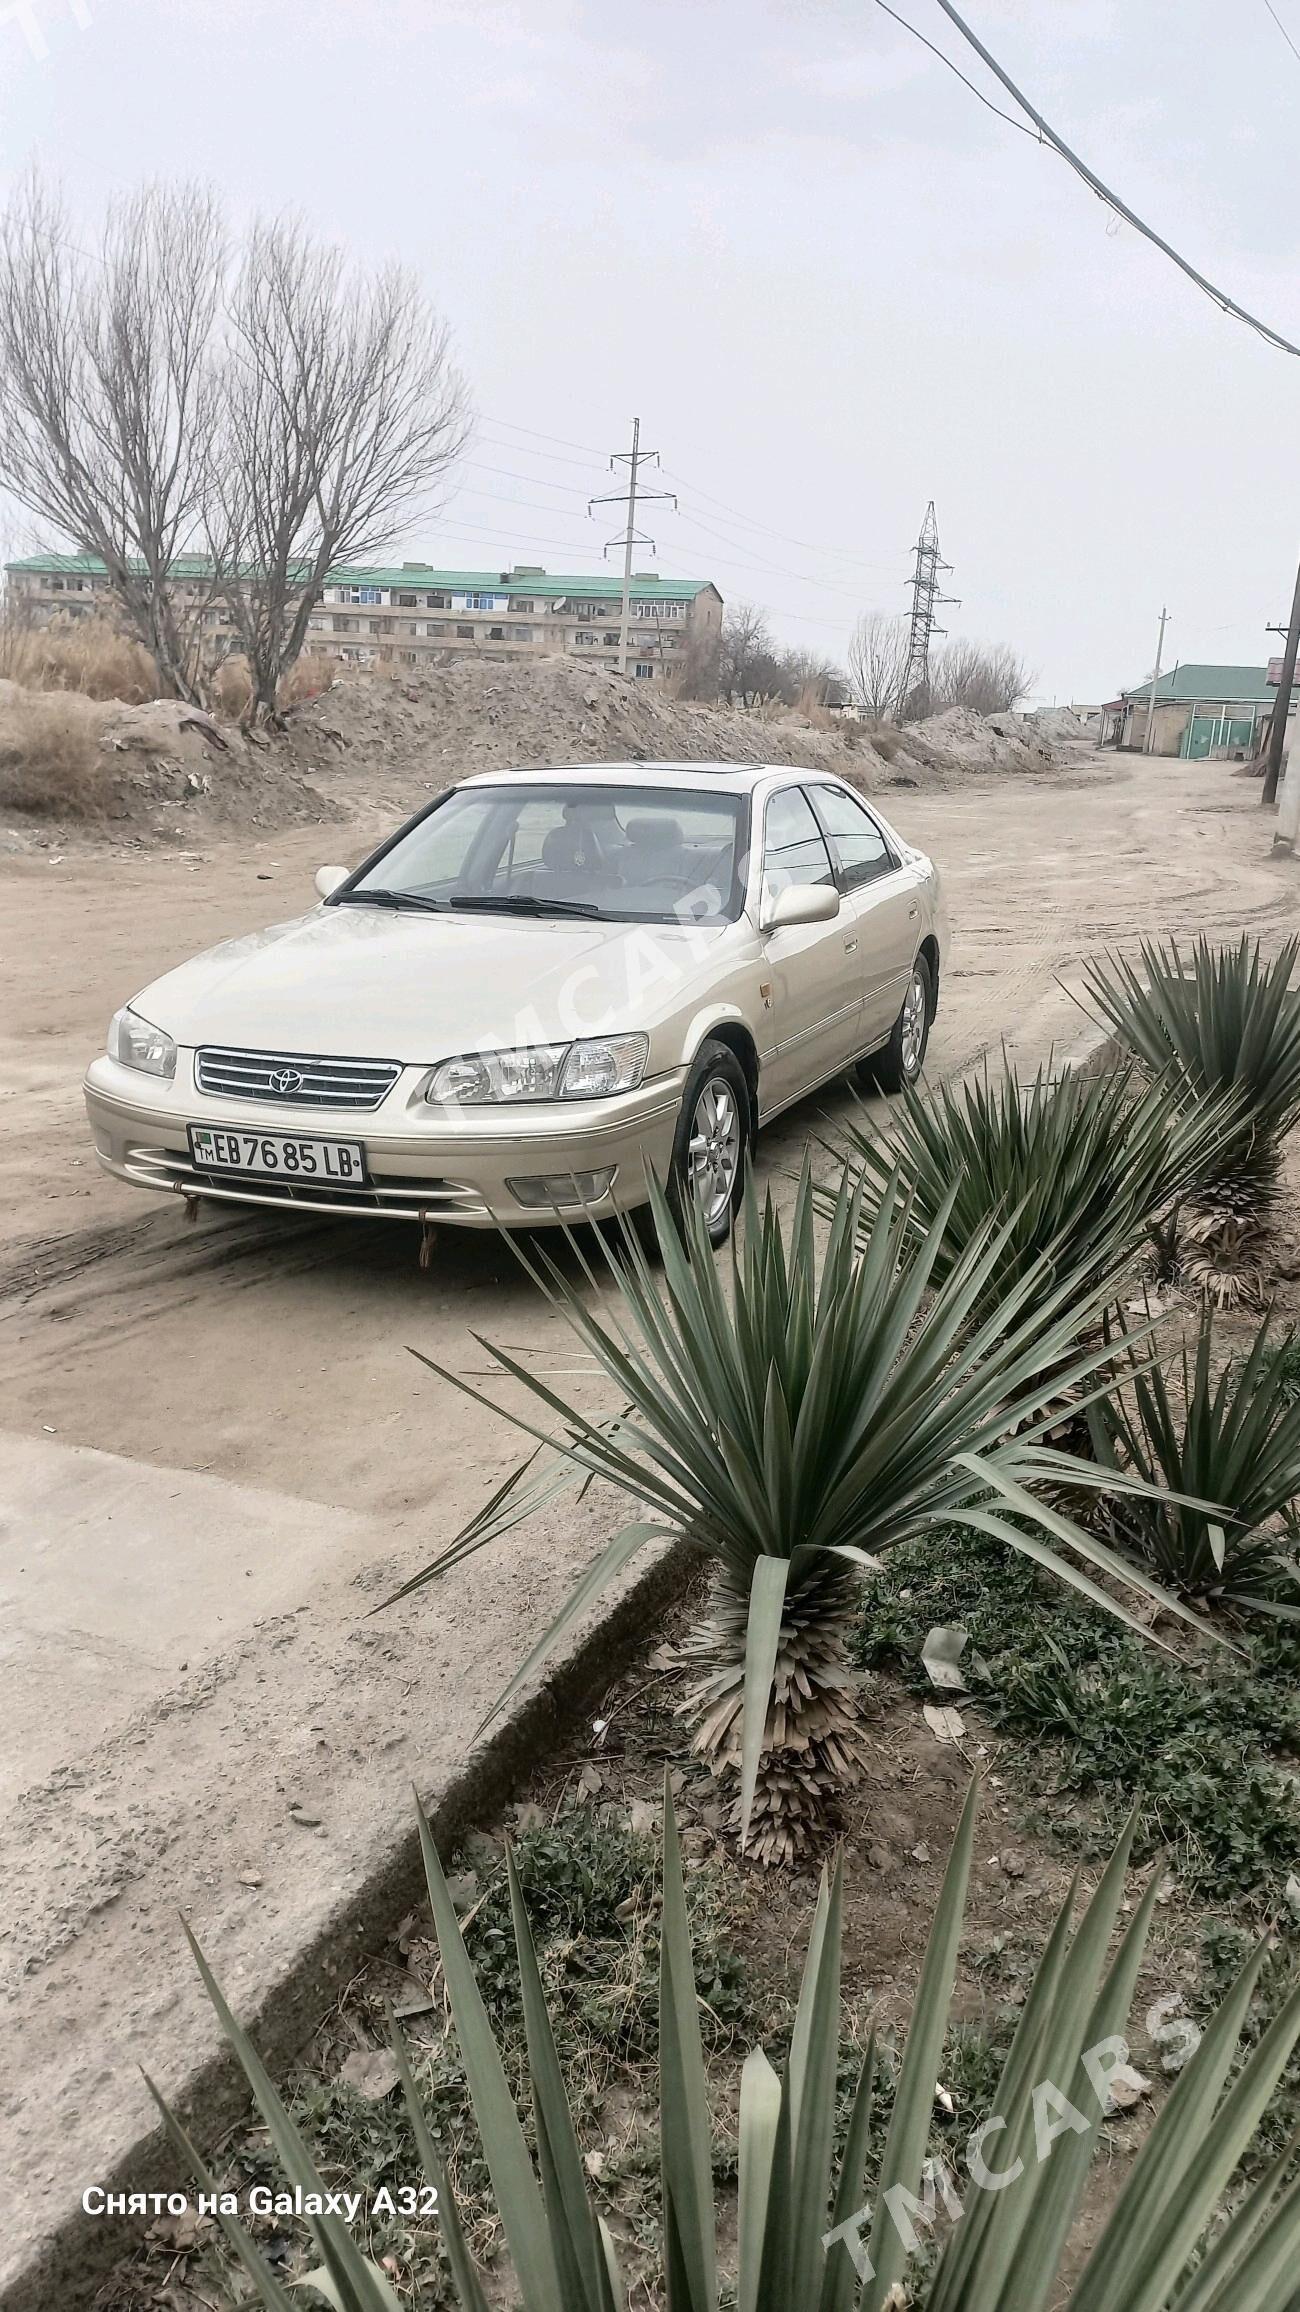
(715, 1110)
(900, 1061)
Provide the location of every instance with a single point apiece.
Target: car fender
(706, 1023)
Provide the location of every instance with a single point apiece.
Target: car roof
(735, 778)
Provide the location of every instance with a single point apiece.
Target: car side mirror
(330, 879)
(801, 903)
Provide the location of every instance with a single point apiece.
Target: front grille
(298, 1079)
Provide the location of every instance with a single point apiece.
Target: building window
(345, 626)
(584, 636)
(464, 634)
(359, 594)
(407, 601)
(435, 626)
(437, 601)
(517, 604)
(643, 668)
(521, 634)
(496, 634)
(611, 641)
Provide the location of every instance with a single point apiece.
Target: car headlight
(136, 1043)
(590, 1070)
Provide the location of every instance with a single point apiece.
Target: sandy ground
(217, 1455)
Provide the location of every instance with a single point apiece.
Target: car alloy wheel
(714, 1148)
(912, 1025)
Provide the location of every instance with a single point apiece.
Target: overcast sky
(830, 282)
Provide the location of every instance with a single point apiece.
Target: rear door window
(859, 849)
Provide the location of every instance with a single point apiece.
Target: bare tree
(749, 667)
(810, 679)
(695, 671)
(878, 657)
(107, 393)
(987, 677)
(342, 412)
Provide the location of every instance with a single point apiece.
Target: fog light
(562, 1188)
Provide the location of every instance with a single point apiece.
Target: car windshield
(620, 853)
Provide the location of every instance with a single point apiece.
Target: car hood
(367, 983)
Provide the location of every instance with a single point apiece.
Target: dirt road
(248, 1379)
(126, 1329)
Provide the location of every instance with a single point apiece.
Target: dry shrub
(89, 655)
(810, 706)
(885, 741)
(231, 690)
(50, 758)
(308, 677)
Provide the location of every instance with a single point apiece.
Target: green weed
(1194, 1744)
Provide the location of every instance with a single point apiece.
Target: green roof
(90, 566)
(417, 577)
(1210, 685)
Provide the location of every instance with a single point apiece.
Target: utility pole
(926, 599)
(1148, 739)
(633, 459)
(1282, 703)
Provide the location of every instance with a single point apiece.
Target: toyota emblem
(286, 1080)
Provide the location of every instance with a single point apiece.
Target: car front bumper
(424, 1163)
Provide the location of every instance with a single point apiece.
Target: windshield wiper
(376, 896)
(521, 903)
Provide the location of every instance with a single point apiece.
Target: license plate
(334, 1163)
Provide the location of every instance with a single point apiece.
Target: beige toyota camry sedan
(546, 985)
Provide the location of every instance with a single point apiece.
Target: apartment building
(414, 614)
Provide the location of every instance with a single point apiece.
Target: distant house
(1199, 711)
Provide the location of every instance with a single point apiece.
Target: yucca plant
(1235, 1440)
(1078, 1164)
(831, 1404)
(811, 2234)
(1225, 1021)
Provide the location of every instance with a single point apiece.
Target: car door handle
(849, 946)
(912, 914)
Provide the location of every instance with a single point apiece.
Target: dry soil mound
(472, 715)
(961, 740)
(158, 771)
(376, 745)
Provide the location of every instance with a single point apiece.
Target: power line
(535, 505)
(1282, 29)
(536, 435)
(765, 568)
(524, 450)
(750, 560)
(535, 481)
(474, 532)
(987, 101)
(1094, 183)
(805, 545)
(766, 529)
